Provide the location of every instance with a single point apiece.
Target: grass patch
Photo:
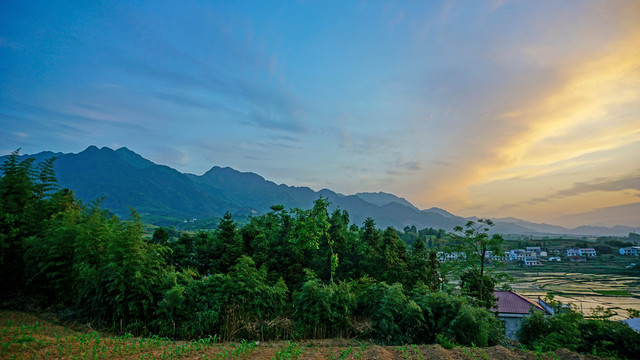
(613, 292)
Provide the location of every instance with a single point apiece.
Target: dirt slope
(30, 336)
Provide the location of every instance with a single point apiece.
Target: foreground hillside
(29, 336)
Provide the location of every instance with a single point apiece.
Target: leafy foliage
(570, 330)
(324, 310)
(475, 243)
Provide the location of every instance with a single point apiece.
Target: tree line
(297, 273)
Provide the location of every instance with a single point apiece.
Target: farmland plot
(585, 291)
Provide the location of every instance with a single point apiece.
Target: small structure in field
(631, 251)
(587, 252)
(535, 249)
(573, 252)
(512, 308)
(531, 261)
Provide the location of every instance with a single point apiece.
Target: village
(537, 256)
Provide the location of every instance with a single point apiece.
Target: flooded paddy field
(616, 292)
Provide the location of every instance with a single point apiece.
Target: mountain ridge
(124, 178)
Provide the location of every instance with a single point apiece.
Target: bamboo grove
(287, 274)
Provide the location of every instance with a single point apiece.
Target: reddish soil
(29, 336)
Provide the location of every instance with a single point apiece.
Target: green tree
(394, 260)
(251, 302)
(371, 249)
(50, 258)
(633, 313)
(28, 199)
(479, 287)
(559, 330)
(160, 236)
(228, 242)
(396, 317)
(424, 267)
(475, 242)
(324, 310)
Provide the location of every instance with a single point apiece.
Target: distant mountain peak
(229, 171)
(381, 199)
(134, 159)
(125, 149)
(440, 211)
(91, 148)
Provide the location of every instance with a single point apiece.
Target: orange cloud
(591, 106)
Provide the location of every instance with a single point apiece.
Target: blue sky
(487, 108)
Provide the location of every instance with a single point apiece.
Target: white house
(494, 256)
(587, 252)
(449, 256)
(632, 250)
(531, 261)
(517, 255)
(573, 252)
(535, 249)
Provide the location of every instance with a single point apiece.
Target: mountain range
(125, 179)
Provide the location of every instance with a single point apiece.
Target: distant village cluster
(536, 256)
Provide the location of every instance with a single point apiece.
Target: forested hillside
(287, 274)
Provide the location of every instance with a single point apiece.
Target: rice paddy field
(586, 285)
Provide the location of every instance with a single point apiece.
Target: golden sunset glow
(583, 127)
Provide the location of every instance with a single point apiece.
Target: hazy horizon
(491, 109)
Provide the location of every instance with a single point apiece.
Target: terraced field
(585, 291)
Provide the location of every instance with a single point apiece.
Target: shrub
(475, 326)
(438, 311)
(397, 319)
(609, 338)
(324, 310)
(558, 331)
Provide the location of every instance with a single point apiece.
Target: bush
(570, 330)
(324, 310)
(609, 338)
(551, 333)
(476, 326)
(397, 319)
(438, 311)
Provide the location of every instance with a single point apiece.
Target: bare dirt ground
(38, 336)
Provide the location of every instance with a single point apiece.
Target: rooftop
(633, 323)
(513, 303)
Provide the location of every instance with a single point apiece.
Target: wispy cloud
(4, 42)
(579, 103)
(628, 182)
(625, 214)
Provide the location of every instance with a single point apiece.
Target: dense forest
(287, 274)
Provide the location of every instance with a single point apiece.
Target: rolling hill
(125, 179)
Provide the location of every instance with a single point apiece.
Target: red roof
(513, 303)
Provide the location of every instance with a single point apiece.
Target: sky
(527, 109)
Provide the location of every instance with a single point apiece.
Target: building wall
(511, 324)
